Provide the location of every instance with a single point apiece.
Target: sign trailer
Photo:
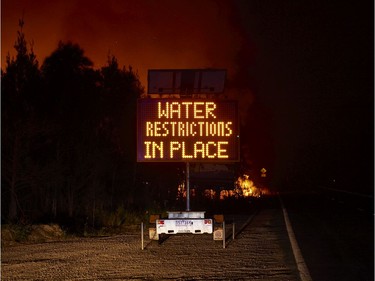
(187, 130)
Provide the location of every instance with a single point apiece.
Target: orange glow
(143, 34)
(225, 193)
(209, 193)
(246, 187)
(181, 191)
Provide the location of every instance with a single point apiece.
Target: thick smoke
(144, 34)
(162, 35)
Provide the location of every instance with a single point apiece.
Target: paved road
(335, 232)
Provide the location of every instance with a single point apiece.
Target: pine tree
(20, 89)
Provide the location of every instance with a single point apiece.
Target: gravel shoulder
(260, 251)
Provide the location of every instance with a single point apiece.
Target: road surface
(335, 238)
(261, 251)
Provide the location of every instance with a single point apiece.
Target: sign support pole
(187, 187)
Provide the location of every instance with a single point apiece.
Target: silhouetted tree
(72, 97)
(21, 90)
(68, 134)
(121, 89)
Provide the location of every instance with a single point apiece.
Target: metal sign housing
(182, 81)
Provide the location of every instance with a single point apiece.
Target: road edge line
(304, 272)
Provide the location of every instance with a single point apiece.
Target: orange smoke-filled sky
(143, 34)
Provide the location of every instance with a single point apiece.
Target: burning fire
(181, 191)
(209, 193)
(246, 187)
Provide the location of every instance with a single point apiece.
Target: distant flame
(181, 191)
(210, 194)
(246, 187)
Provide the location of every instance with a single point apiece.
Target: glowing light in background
(210, 194)
(244, 188)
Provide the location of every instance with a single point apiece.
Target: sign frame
(183, 81)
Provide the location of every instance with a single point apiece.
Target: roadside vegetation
(68, 144)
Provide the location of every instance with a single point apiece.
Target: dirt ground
(261, 251)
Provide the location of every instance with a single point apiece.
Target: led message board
(194, 130)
